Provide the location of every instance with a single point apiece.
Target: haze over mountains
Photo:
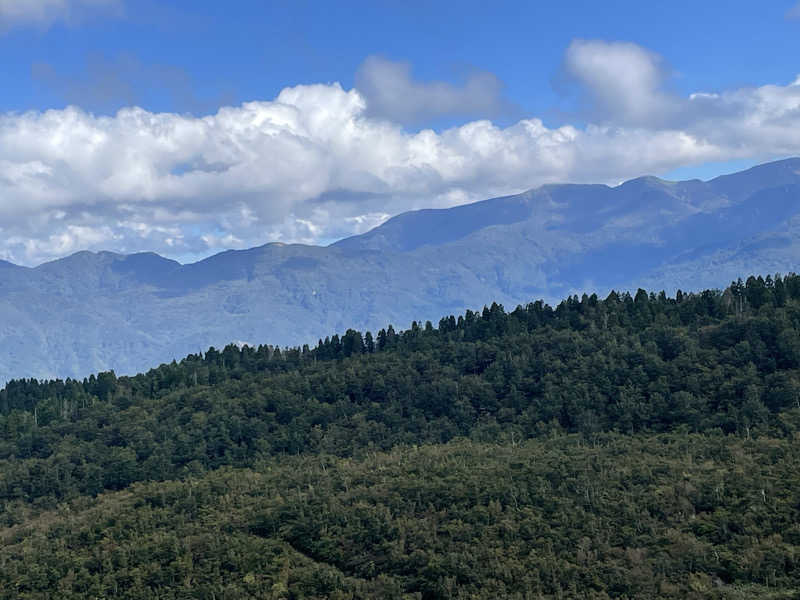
(98, 311)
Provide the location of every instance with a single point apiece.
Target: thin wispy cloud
(108, 83)
(391, 92)
(44, 13)
(794, 12)
(316, 162)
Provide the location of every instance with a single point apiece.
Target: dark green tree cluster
(622, 382)
(644, 516)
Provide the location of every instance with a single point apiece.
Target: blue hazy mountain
(95, 311)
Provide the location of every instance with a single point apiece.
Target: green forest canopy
(636, 446)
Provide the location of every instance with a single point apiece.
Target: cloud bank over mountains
(320, 162)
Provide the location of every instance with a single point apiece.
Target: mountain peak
(646, 180)
(432, 227)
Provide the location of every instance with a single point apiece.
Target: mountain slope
(92, 312)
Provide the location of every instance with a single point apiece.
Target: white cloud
(624, 82)
(45, 12)
(794, 12)
(314, 165)
(391, 92)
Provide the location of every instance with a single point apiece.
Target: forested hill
(644, 363)
(633, 446)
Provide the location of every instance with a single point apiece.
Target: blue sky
(515, 93)
(228, 53)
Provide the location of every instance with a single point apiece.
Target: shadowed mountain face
(96, 311)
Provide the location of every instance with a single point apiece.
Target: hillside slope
(648, 517)
(629, 447)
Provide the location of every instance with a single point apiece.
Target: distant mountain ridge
(97, 311)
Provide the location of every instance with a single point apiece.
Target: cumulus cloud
(621, 81)
(314, 164)
(624, 85)
(391, 92)
(45, 12)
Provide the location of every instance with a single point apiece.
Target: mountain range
(98, 311)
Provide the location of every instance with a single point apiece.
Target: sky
(189, 127)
